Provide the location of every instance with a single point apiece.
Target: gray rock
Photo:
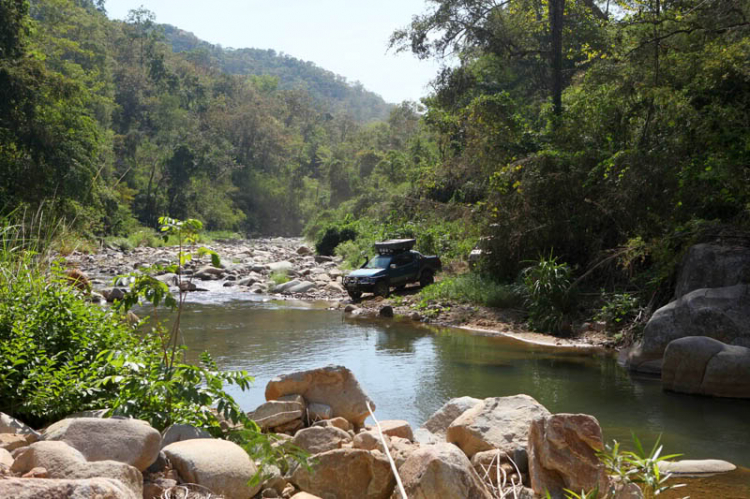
(719, 313)
(302, 287)
(335, 386)
(701, 365)
(129, 441)
(276, 413)
(713, 266)
(221, 466)
(439, 422)
(284, 287)
(696, 467)
(9, 424)
(498, 423)
(38, 488)
(209, 273)
(317, 439)
(179, 432)
(386, 311)
(283, 266)
(443, 471)
(317, 411)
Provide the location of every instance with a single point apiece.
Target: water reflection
(410, 372)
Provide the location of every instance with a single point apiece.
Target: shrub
(548, 295)
(473, 288)
(331, 237)
(279, 277)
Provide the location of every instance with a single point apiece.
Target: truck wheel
(355, 295)
(382, 289)
(426, 278)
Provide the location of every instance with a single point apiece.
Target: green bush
(548, 295)
(332, 237)
(475, 289)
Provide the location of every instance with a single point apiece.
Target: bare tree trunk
(556, 13)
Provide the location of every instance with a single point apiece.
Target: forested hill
(326, 87)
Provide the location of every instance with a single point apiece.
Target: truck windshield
(379, 262)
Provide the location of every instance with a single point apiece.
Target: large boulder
(434, 429)
(276, 413)
(44, 488)
(719, 313)
(62, 461)
(498, 423)
(443, 471)
(9, 424)
(129, 441)
(705, 366)
(179, 432)
(347, 474)
(713, 266)
(221, 466)
(562, 454)
(334, 386)
(317, 439)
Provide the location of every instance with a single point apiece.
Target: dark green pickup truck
(396, 265)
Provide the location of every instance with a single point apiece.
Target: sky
(348, 37)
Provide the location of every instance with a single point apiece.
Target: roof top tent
(393, 246)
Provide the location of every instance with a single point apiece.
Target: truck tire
(427, 278)
(382, 289)
(355, 295)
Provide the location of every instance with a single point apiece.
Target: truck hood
(367, 273)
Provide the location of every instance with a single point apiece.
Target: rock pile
(246, 266)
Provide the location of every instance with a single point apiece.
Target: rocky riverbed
(250, 266)
(470, 448)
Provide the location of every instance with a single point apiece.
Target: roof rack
(393, 246)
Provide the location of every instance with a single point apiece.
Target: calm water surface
(409, 372)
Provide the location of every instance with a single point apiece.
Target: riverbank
(286, 268)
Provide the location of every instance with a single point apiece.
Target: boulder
(562, 454)
(304, 250)
(705, 366)
(498, 423)
(386, 311)
(317, 439)
(277, 413)
(439, 422)
(712, 266)
(284, 287)
(719, 313)
(397, 428)
(209, 273)
(62, 461)
(496, 467)
(221, 466)
(179, 432)
(347, 474)
(9, 424)
(368, 440)
(302, 287)
(696, 467)
(340, 423)
(334, 386)
(11, 441)
(304, 495)
(5, 458)
(443, 471)
(129, 441)
(38, 488)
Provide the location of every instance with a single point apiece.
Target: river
(410, 371)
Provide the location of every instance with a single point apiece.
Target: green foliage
(279, 277)
(639, 467)
(549, 295)
(618, 310)
(331, 236)
(472, 288)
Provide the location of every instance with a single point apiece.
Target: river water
(410, 371)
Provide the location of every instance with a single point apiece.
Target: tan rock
(498, 423)
(221, 466)
(5, 458)
(304, 495)
(318, 412)
(347, 474)
(156, 489)
(129, 441)
(37, 472)
(179, 432)
(38, 488)
(335, 386)
(9, 424)
(319, 439)
(401, 449)
(443, 471)
(340, 423)
(439, 422)
(276, 413)
(397, 428)
(696, 467)
(62, 461)
(289, 428)
(12, 441)
(368, 440)
(495, 466)
(562, 454)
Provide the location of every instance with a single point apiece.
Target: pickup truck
(396, 265)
